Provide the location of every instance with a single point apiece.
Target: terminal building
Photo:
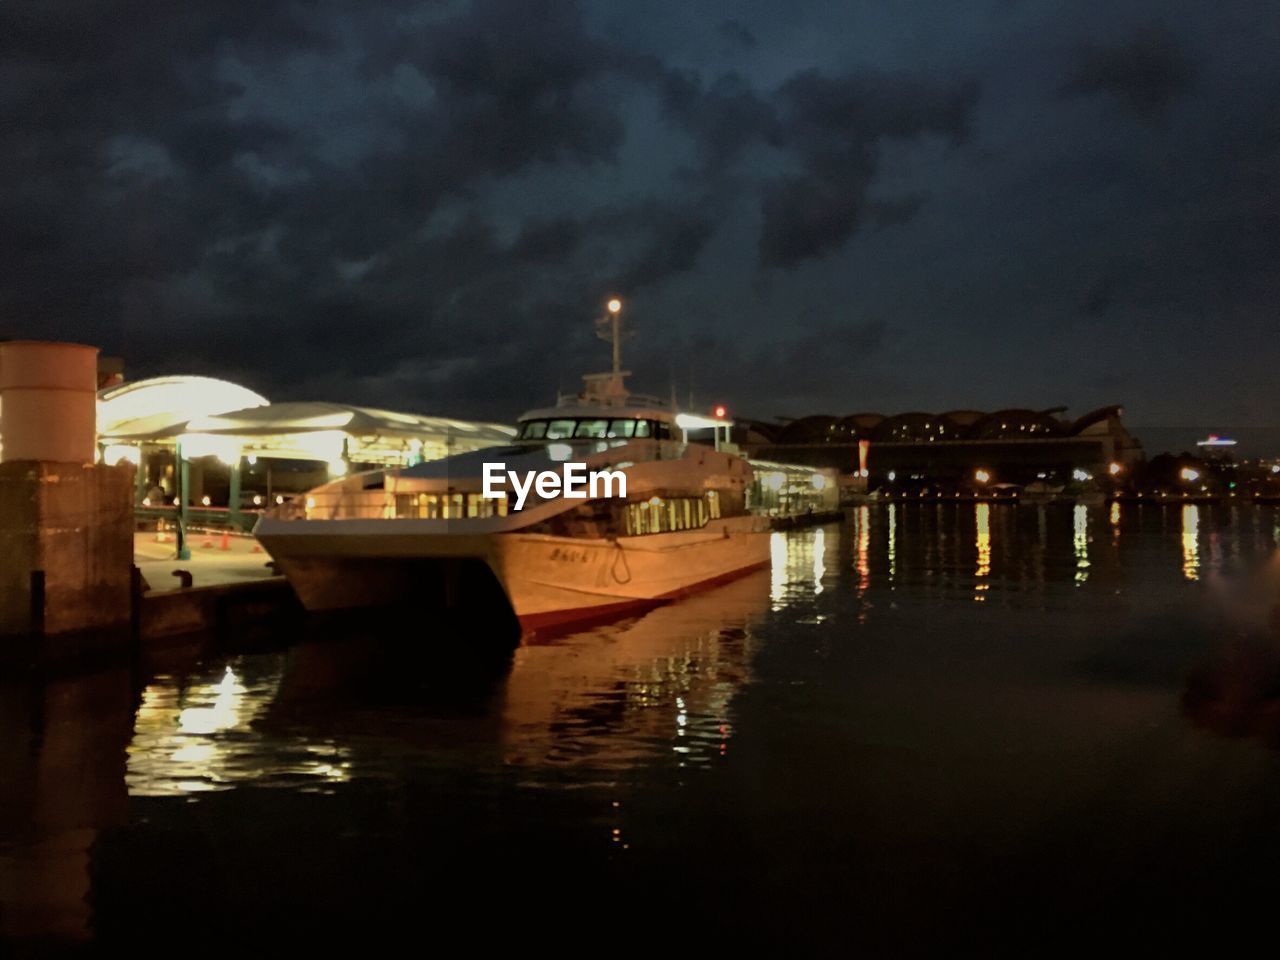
(1015, 446)
(241, 452)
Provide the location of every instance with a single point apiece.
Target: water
(933, 725)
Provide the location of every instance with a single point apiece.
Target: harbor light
(892, 476)
(1190, 474)
(1081, 475)
(205, 501)
(720, 412)
(1114, 469)
(615, 305)
(982, 476)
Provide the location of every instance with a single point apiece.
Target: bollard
(184, 576)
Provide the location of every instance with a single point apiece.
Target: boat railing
(338, 504)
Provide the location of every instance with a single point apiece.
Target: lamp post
(184, 511)
(615, 310)
(233, 495)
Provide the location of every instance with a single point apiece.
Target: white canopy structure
(211, 417)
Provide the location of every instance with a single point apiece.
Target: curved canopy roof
(278, 418)
(148, 408)
(166, 408)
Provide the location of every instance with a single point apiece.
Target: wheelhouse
(594, 428)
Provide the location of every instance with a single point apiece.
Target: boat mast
(609, 327)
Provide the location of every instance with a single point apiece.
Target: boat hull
(543, 580)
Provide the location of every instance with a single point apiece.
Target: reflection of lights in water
(1080, 542)
(777, 568)
(893, 541)
(201, 738)
(1115, 513)
(819, 559)
(982, 516)
(222, 714)
(864, 548)
(1190, 541)
(797, 565)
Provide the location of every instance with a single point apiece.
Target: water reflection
(859, 649)
(862, 526)
(202, 735)
(61, 785)
(612, 697)
(819, 559)
(893, 541)
(982, 526)
(1191, 541)
(1080, 541)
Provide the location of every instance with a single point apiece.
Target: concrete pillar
(48, 401)
(70, 524)
(66, 523)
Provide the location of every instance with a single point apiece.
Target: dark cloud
(805, 360)
(734, 33)
(806, 218)
(1144, 72)
(896, 211)
(836, 126)
(422, 203)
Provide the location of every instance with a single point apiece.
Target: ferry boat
(427, 532)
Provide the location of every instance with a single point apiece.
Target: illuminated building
(237, 442)
(1016, 445)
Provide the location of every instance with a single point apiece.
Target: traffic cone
(226, 541)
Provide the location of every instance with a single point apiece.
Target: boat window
(663, 431)
(674, 513)
(533, 430)
(642, 428)
(622, 428)
(713, 504)
(560, 429)
(591, 428)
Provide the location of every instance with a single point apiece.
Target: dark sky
(810, 207)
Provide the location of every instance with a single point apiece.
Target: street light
(982, 476)
(615, 305)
